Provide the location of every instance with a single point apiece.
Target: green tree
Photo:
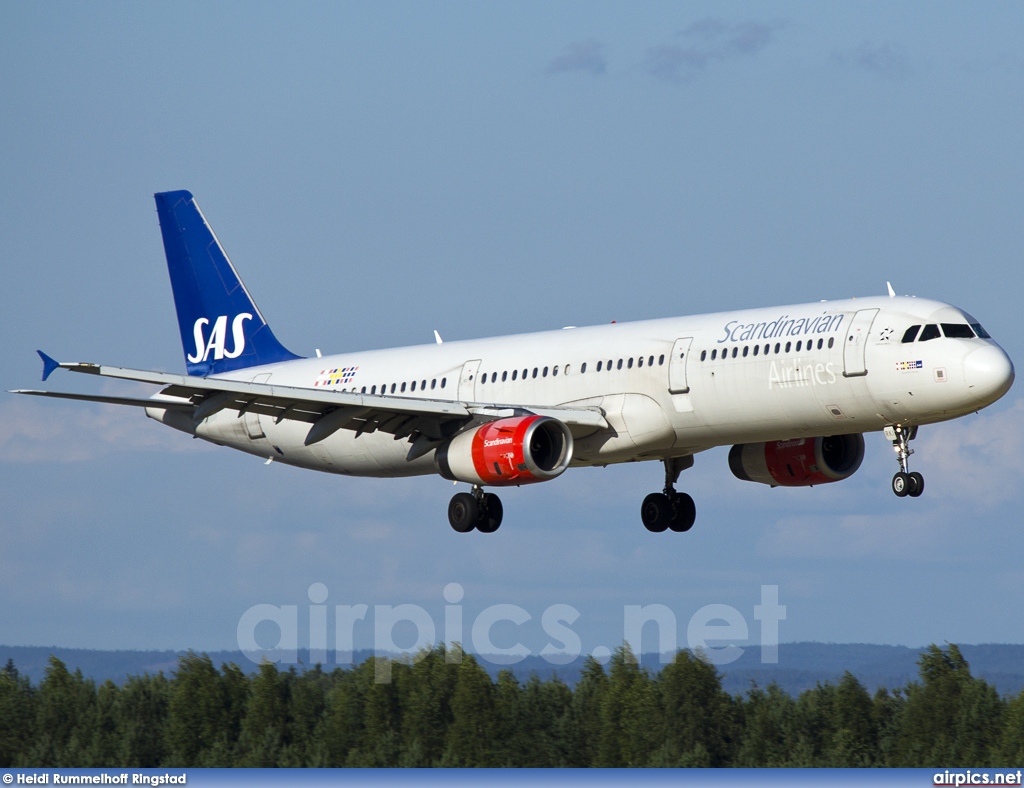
(65, 709)
(16, 715)
(950, 717)
(471, 733)
(698, 717)
(141, 721)
(201, 714)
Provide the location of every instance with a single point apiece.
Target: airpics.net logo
(714, 631)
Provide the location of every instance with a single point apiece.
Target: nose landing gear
(670, 510)
(904, 483)
(476, 509)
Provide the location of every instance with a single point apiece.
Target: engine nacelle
(802, 462)
(520, 450)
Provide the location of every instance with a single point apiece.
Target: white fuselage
(668, 388)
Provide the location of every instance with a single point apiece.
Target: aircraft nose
(988, 373)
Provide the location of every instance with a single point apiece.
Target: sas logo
(218, 338)
(336, 377)
(909, 366)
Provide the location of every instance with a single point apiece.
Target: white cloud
(907, 535)
(583, 56)
(52, 431)
(977, 459)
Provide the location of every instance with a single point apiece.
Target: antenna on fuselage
(892, 293)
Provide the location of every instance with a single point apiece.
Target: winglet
(892, 293)
(49, 364)
(437, 338)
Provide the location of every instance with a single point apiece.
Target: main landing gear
(671, 510)
(475, 509)
(904, 483)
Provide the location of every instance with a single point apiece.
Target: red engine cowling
(520, 450)
(798, 463)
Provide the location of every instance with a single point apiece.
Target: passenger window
(414, 385)
(629, 363)
(788, 346)
(363, 390)
(514, 373)
(443, 381)
(535, 372)
(703, 355)
(910, 334)
(714, 352)
(820, 343)
(981, 332)
(583, 367)
(403, 388)
(599, 366)
(433, 383)
(423, 385)
(504, 376)
(650, 361)
(483, 378)
(831, 341)
(545, 372)
(609, 366)
(619, 364)
(565, 369)
(393, 388)
(798, 344)
(930, 331)
(745, 351)
(757, 348)
(957, 331)
(494, 377)
(526, 373)
(640, 362)
(661, 359)
(735, 350)
(373, 390)
(778, 347)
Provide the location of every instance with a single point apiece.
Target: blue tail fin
(221, 327)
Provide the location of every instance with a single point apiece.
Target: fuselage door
(252, 420)
(856, 343)
(677, 366)
(467, 381)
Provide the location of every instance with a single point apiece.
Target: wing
(425, 423)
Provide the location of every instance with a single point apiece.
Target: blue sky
(377, 171)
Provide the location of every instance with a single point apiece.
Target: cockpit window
(981, 332)
(957, 330)
(911, 334)
(931, 331)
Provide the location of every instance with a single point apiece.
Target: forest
(443, 709)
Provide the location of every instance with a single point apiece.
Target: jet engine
(506, 452)
(802, 462)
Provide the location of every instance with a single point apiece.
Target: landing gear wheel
(684, 513)
(901, 484)
(463, 512)
(656, 512)
(490, 514)
(916, 484)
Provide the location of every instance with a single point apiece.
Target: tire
(490, 516)
(463, 512)
(684, 513)
(656, 512)
(917, 484)
(901, 484)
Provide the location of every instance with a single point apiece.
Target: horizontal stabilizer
(138, 402)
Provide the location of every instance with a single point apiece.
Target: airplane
(792, 389)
